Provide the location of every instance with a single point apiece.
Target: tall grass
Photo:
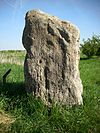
(30, 115)
(12, 57)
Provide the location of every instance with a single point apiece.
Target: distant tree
(97, 40)
(91, 46)
(98, 51)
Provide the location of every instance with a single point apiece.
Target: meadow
(22, 113)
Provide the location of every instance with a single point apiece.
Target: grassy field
(12, 57)
(22, 113)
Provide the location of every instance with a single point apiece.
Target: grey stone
(52, 59)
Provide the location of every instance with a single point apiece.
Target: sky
(85, 14)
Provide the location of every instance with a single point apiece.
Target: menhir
(52, 59)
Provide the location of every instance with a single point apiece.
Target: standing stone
(52, 59)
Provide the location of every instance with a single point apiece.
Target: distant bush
(91, 46)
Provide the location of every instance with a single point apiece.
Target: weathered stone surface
(51, 64)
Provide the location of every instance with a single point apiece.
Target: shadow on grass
(98, 83)
(13, 89)
(87, 58)
(84, 58)
(16, 98)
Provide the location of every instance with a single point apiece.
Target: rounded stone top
(73, 29)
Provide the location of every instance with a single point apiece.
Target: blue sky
(83, 13)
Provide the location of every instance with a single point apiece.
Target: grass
(25, 114)
(12, 57)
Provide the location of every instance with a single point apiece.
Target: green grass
(31, 115)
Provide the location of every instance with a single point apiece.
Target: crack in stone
(64, 58)
(64, 35)
(46, 71)
(50, 30)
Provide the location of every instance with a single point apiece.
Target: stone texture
(52, 59)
